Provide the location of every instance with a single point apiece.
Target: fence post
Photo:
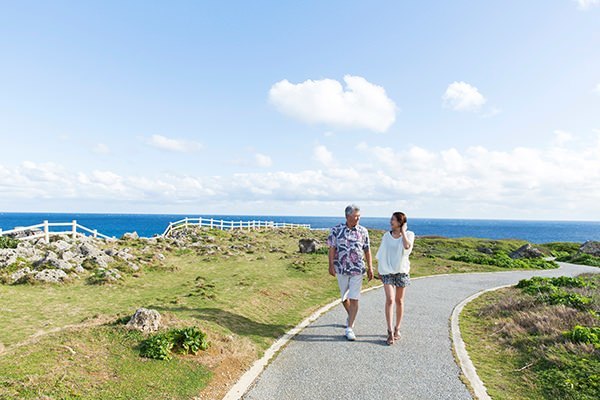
(211, 223)
(0, 231)
(200, 222)
(46, 232)
(221, 224)
(95, 233)
(74, 229)
(186, 222)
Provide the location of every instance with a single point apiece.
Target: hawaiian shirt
(350, 244)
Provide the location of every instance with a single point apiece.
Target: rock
(130, 235)
(145, 320)
(52, 260)
(485, 250)
(591, 247)
(68, 255)
(160, 256)
(526, 251)
(8, 257)
(133, 266)
(61, 245)
(88, 249)
(308, 245)
(50, 276)
(123, 255)
(108, 274)
(79, 269)
(20, 274)
(25, 233)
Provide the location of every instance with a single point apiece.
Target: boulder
(485, 250)
(8, 257)
(526, 251)
(62, 245)
(50, 276)
(590, 247)
(145, 320)
(308, 245)
(20, 274)
(52, 259)
(130, 235)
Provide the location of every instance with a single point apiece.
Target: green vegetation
(242, 289)
(526, 345)
(7, 242)
(183, 341)
(502, 260)
(569, 252)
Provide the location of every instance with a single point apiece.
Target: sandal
(390, 339)
(397, 334)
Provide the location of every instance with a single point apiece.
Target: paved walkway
(320, 364)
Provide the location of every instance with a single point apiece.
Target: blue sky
(461, 109)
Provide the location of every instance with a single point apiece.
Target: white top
(392, 257)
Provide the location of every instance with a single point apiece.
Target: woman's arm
(405, 242)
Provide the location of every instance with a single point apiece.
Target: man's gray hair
(351, 209)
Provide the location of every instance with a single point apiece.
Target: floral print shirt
(350, 244)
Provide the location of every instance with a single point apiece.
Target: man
(347, 243)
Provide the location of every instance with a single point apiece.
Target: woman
(394, 268)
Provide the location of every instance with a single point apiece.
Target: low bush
(503, 260)
(7, 242)
(584, 334)
(550, 290)
(160, 346)
(580, 258)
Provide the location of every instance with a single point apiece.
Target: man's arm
(331, 258)
(369, 263)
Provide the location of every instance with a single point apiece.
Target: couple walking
(347, 242)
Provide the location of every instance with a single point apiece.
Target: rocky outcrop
(308, 245)
(130, 235)
(145, 320)
(526, 251)
(590, 247)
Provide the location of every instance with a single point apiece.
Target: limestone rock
(526, 251)
(62, 245)
(20, 274)
(590, 247)
(308, 245)
(145, 320)
(130, 235)
(7, 257)
(50, 276)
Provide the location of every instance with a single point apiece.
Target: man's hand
(331, 259)
(370, 273)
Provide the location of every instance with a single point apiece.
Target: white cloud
(562, 137)
(460, 96)
(597, 88)
(553, 182)
(323, 155)
(263, 160)
(177, 145)
(101, 148)
(358, 105)
(587, 4)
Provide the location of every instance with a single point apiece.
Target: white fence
(222, 224)
(43, 231)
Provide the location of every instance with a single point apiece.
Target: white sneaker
(350, 334)
(347, 322)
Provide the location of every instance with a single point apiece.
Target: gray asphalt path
(319, 363)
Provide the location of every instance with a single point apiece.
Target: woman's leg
(389, 305)
(399, 307)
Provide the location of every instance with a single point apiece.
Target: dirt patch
(227, 358)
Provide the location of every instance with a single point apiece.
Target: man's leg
(352, 311)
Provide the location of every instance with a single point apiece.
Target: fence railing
(43, 231)
(223, 224)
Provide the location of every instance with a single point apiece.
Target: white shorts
(350, 286)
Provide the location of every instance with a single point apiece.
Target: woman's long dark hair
(400, 217)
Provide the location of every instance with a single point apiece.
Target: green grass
(245, 290)
(525, 348)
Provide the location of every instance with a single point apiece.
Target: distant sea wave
(148, 225)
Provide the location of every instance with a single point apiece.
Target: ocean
(147, 225)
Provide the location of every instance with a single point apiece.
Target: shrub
(188, 340)
(7, 242)
(580, 258)
(503, 260)
(584, 334)
(550, 291)
(157, 346)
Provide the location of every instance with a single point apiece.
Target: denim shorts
(398, 280)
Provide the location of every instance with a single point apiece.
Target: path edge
(245, 381)
(460, 351)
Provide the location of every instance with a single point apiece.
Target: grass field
(516, 340)
(244, 289)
